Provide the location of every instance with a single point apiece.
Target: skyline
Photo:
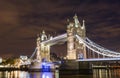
(21, 21)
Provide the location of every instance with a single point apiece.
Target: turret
(50, 37)
(43, 36)
(83, 25)
(77, 23)
(83, 29)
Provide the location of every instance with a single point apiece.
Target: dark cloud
(22, 20)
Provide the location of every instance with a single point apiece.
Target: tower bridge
(79, 46)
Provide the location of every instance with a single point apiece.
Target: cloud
(22, 20)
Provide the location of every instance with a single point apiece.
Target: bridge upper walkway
(56, 40)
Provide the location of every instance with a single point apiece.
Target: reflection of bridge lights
(23, 74)
(47, 75)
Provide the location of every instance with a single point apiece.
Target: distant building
(0, 60)
(23, 57)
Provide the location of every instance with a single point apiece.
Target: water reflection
(106, 73)
(25, 74)
(44, 74)
(14, 74)
(97, 73)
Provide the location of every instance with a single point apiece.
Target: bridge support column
(38, 55)
(74, 46)
(71, 52)
(45, 49)
(81, 32)
(45, 52)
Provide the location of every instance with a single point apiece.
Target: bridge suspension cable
(33, 53)
(90, 41)
(98, 49)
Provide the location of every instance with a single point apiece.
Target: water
(97, 73)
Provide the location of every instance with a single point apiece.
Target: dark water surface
(97, 73)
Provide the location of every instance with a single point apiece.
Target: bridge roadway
(98, 59)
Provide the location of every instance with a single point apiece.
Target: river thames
(97, 73)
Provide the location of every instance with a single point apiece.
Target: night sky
(22, 20)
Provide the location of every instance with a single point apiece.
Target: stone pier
(75, 67)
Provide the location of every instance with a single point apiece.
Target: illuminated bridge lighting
(99, 59)
(55, 40)
(45, 67)
(78, 46)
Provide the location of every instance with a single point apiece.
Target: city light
(45, 67)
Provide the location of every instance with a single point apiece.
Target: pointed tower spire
(43, 32)
(77, 23)
(83, 25)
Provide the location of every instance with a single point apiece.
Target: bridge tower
(81, 31)
(74, 46)
(71, 51)
(45, 49)
(38, 54)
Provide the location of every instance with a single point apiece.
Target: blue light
(45, 67)
(80, 56)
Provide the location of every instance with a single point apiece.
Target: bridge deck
(98, 59)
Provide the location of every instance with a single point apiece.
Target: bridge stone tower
(75, 48)
(38, 55)
(71, 51)
(43, 51)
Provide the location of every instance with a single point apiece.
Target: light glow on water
(24, 74)
(97, 73)
(47, 75)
